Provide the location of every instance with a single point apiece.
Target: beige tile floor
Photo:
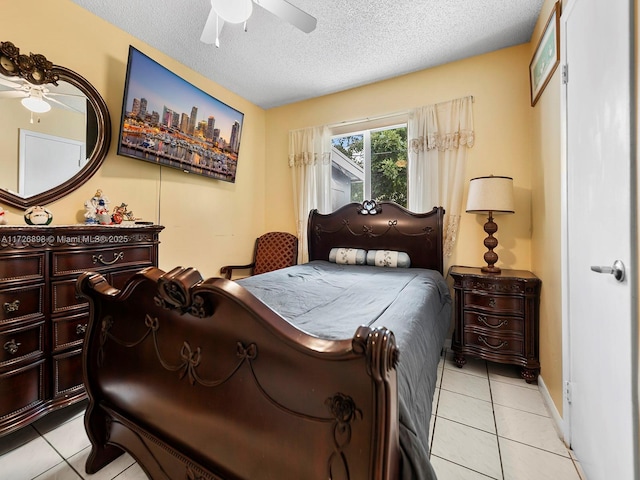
(487, 423)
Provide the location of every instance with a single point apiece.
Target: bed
(323, 370)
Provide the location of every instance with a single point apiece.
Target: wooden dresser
(497, 317)
(42, 320)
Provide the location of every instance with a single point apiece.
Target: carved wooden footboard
(200, 380)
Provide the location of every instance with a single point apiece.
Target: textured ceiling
(356, 42)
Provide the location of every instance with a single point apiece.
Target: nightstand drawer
(494, 303)
(494, 344)
(493, 323)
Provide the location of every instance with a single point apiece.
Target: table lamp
(490, 195)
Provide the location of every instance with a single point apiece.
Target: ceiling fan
(36, 98)
(239, 11)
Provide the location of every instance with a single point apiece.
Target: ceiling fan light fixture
(233, 11)
(35, 104)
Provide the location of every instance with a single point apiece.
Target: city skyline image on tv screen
(171, 122)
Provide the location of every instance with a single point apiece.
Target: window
(369, 164)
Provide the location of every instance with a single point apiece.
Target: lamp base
(491, 269)
(490, 242)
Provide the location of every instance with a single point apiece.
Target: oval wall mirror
(55, 129)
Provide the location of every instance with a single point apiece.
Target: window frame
(367, 154)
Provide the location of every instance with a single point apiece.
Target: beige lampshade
(490, 194)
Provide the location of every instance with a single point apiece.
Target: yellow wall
(546, 238)
(502, 118)
(208, 223)
(211, 223)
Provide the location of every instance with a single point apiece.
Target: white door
(602, 402)
(46, 161)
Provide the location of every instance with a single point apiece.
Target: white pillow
(388, 258)
(348, 256)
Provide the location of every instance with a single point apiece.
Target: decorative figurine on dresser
(42, 320)
(497, 318)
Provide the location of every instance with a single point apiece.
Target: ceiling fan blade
(209, 33)
(60, 94)
(12, 94)
(290, 13)
(9, 83)
(57, 103)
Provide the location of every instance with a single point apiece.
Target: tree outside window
(370, 164)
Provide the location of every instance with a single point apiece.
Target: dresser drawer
(491, 323)
(21, 267)
(64, 297)
(21, 302)
(21, 343)
(494, 344)
(67, 374)
(494, 303)
(69, 331)
(77, 261)
(21, 389)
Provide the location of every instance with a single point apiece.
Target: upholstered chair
(273, 251)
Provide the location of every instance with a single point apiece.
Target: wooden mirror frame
(36, 69)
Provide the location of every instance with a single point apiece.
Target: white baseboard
(558, 422)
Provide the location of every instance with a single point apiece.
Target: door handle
(617, 270)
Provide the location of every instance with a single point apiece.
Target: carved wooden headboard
(379, 226)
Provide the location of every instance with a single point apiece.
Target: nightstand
(497, 318)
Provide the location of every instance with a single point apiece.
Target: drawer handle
(482, 319)
(495, 347)
(100, 258)
(492, 302)
(12, 346)
(12, 306)
(81, 329)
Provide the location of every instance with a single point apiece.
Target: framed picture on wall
(547, 55)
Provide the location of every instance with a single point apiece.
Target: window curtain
(310, 163)
(438, 138)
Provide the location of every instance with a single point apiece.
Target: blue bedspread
(331, 301)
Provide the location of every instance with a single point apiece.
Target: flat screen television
(171, 122)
